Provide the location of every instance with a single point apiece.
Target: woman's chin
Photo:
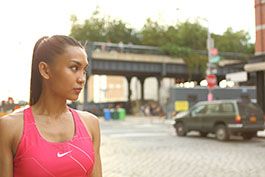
(73, 98)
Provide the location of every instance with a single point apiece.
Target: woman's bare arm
(92, 125)
(6, 155)
(97, 171)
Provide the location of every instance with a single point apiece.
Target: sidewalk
(159, 120)
(141, 119)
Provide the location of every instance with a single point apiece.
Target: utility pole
(210, 76)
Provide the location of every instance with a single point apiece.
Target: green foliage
(193, 60)
(234, 41)
(171, 36)
(103, 29)
(152, 33)
(192, 35)
(92, 29)
(117, 31)
(179, 40)
(175, 50)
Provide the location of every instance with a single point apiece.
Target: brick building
(257, 63)
(260, 27)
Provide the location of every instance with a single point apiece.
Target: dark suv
(222, 117)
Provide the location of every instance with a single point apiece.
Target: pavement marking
(125, 135)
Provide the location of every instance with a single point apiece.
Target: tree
(193, 60)
(117, 31)
(180, 40)
(93, 29)
(152, 33)
(234, 42)
(103, 29)
(192, 35)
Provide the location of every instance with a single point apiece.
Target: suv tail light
(237, 119)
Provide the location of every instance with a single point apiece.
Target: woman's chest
(74, 158)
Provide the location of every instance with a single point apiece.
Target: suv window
(212, 108)
(198, 110)
(249, 109)
(227, 108)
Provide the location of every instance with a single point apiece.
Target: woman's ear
(44, 70)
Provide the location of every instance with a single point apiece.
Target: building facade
(257, 63)
(260, 27)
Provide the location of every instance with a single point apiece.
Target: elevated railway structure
(146, 61)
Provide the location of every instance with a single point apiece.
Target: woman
(49, 139)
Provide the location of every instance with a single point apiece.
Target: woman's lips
(77, 90)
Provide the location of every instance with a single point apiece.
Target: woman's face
(68, 73)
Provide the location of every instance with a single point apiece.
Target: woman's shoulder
(90, 119)
(11, 124)
(11, 128)
(12, 118)
(91, 122)
(87, 116)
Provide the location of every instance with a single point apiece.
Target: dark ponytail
(46, 49)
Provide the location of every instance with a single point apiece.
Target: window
(198, 110)
(212, 108)
(227, 108)
(250, 109)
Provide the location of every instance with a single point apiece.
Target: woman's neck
(49, 106)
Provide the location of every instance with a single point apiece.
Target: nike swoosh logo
(63, 154)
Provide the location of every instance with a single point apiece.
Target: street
(148, 147)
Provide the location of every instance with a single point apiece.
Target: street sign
(211, 80)
(237, 77)
(181, 105)
(215, 59)
(214, 51)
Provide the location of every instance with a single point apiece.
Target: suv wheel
(180, 129)
(221, 133)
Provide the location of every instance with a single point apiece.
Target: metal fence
(143, 49)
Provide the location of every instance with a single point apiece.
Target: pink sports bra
(37, 157)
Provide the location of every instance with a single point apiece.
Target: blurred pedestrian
(48, 138)
(3, 106)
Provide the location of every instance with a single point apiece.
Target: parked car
(221, 117)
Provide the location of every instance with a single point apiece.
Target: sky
(25, 21)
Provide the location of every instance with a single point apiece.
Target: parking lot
(148, 147)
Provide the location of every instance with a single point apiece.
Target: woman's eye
(74, 68)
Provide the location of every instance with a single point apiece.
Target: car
(221, 117)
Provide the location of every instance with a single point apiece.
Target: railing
(143, 49)
(227, 55)
(127, 48)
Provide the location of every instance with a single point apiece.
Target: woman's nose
(82, 79)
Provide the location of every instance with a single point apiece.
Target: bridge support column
(159, 79)
(142, 88)
(128, 105)
(260, 87)
(129, 88)
(86, 91)
(89, 49)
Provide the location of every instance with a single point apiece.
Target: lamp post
(209, 45)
